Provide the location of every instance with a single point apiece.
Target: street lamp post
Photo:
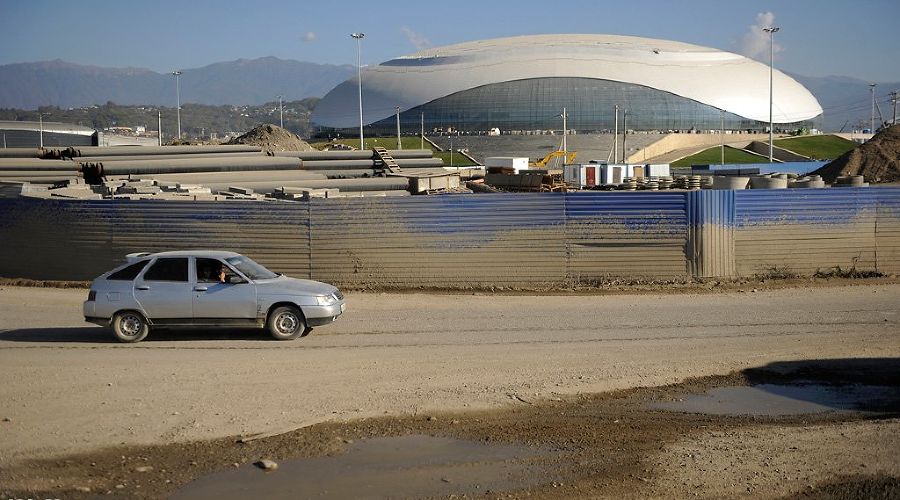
(41, 120)
(281, 111)
(399, 144)
(359, 37)
(176, 74)
(771, 30)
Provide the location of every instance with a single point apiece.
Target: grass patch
(824, 147)
(713, 156)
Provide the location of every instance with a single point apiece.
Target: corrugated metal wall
(621, 234)
(887, 230)
(497, 239)
(461, 240)
(711, 238)
(803, 231)
(77, 240)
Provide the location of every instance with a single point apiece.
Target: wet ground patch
(592, 445)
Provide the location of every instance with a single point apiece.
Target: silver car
(207, 289)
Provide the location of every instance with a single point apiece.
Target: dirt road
(68, 388)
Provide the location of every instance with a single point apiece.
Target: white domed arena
(521, 84)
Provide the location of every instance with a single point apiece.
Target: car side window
(168, 269)
(208, 270)
(128, 273)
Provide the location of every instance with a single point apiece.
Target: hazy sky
(856, 38)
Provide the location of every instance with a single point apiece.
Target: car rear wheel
(286, 323)
(130, 326)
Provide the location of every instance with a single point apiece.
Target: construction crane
(550, 161)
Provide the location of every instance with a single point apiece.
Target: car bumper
(97, 321)
(323, 315)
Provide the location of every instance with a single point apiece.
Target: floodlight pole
(359, 37)
(422, 125)
(894, 102)
(159, 127)
(176, 74)
(565, 144)
(771, 30)
(624, 137)
(722, 134)
(41, 120)
(616, 138)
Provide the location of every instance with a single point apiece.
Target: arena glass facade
(536, 104)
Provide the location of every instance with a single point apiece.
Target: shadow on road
(99, 335)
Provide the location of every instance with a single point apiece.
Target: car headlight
(326, 300)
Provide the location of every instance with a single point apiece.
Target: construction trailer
(602, 174)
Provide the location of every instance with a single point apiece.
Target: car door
(217, 302)
(164, 291)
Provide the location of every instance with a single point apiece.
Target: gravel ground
(507, 367)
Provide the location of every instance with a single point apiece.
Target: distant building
(15, 134)
(521, 85)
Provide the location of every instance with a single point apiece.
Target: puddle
(393, 467)
(777, 400)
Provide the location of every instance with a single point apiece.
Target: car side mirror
(234, 280)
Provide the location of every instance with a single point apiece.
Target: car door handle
(200, 288)
(142, 287)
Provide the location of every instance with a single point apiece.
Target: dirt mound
(877, 160)
(272, 138)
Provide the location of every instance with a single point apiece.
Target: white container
(514, 162)
(583, 176)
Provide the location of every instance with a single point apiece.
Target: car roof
(215, 254)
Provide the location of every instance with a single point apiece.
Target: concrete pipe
(100, 159)
(21, 153)
(403, 154)
(36, 164)
(224, 177)
(78, 151)
(807, 184)
(763, 182)
(366, 154)
(729, 182)
(164, 166)
(375, 184)
(15, 174)
(336, 164)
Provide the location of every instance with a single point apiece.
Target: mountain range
(846, 100)
(241, 82)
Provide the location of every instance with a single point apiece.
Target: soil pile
(877, 160)
(272, 138)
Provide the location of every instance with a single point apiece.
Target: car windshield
(250, 269)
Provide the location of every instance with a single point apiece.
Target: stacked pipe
(36, 170)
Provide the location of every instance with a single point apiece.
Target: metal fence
(474, 240)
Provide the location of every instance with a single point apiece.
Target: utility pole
(451, 151)
(894, 102)
(358, 37)
(159, 127)
(422, 125)
(176, 74)
(281, 111)
(616, 138)
(624, 135)
(399, 144)
(41, 120)
(872, 119)
(722, 134)
(771, 31)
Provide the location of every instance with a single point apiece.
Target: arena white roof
(720, 79)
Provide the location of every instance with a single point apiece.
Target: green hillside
(713, 156)
(822, 147)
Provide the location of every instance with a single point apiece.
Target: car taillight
(92, 295)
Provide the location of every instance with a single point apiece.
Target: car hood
(283, 285)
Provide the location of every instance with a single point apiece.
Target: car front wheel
(286, 323)
(130, 326)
